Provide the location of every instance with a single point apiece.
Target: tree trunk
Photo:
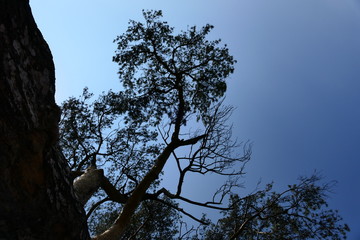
(36, 196)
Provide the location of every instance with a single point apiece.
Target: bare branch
(93, 207)
(182, 211)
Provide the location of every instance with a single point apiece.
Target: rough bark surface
(36, 196)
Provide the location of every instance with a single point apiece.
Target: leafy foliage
(169, 82)
(300, 212)
(167, 79)
(95, 130)
(153, 220)
(159, 68)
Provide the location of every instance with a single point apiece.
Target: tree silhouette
(299, 212)
(171, 109)
(169, 80)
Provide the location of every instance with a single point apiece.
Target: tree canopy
(171, 109)
(299, 212)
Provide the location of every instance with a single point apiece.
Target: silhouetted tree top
(168, 73)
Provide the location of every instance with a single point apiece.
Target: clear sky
(296, 86)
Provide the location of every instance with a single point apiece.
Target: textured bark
(87, 184)
(36, 196)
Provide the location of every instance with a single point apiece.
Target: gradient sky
(296, 86)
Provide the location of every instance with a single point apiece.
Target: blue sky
(296, 86)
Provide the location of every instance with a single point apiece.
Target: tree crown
(167, 79)
(171, 74)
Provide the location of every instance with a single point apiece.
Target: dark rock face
(36, 196)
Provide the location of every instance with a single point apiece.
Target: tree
(300, 212)
(172, 81)
(182, 80)
(36, 197)
(169, 80)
